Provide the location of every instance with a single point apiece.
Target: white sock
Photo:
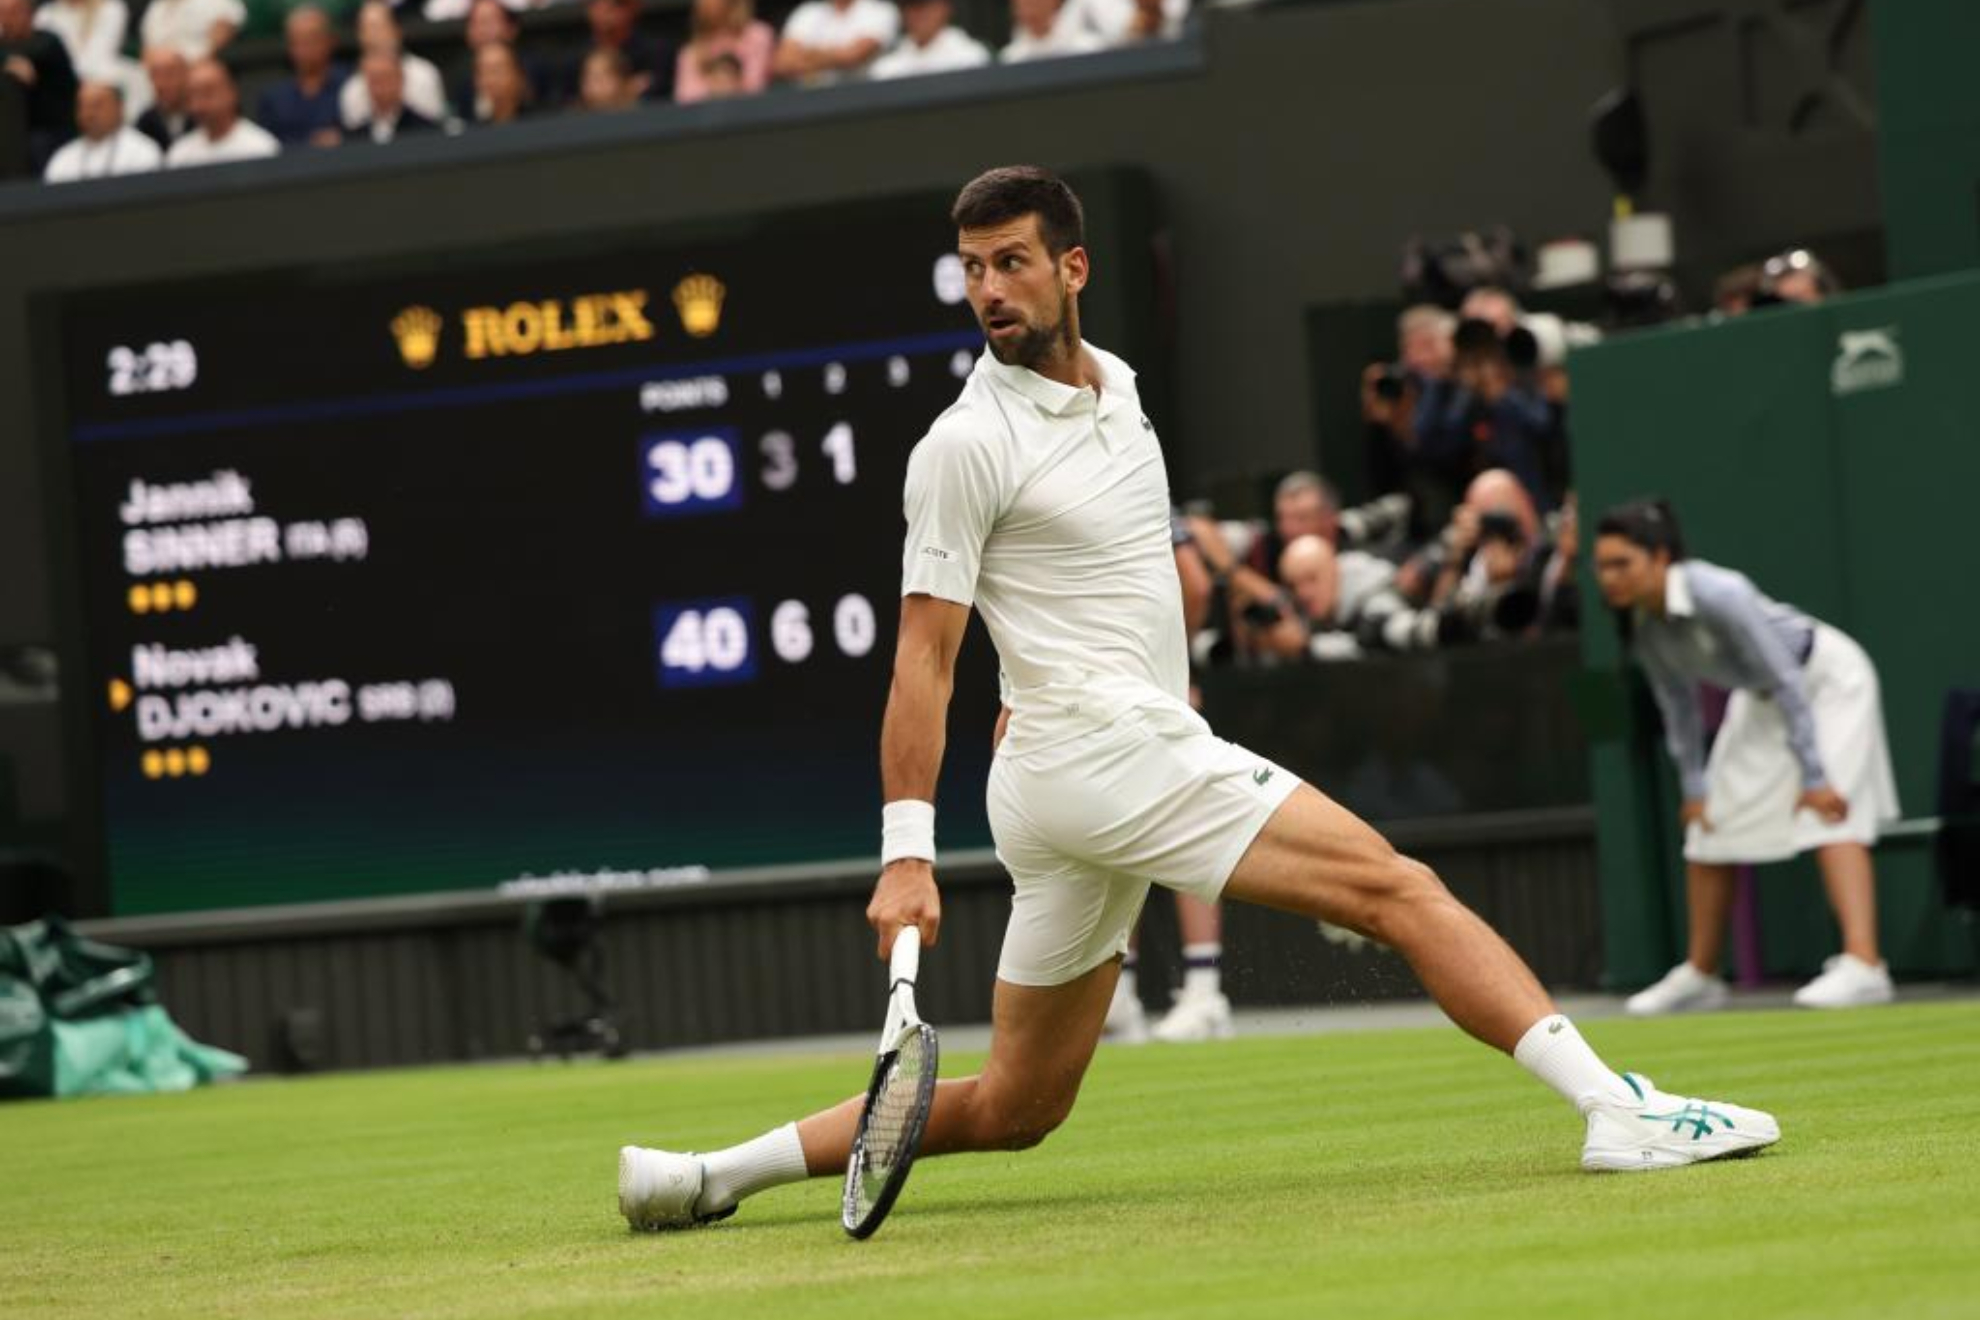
(1130, 985)
(773, 1159)
(1554, 1051)
(1202, 970)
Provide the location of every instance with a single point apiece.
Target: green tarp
(81, 1018)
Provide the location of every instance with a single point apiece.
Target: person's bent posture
(1041, 500)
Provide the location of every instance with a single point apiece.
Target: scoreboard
(570, 561)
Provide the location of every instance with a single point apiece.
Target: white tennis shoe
(1683, 989)
(1127, 1020)
(658, 1189)
(1847, 982)
(1653, 1130)
(1193, 1017)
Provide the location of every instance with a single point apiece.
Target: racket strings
(892, 1123)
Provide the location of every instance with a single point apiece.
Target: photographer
(1327, 595)
(1392, 395)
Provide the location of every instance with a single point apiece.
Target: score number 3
(780, 464)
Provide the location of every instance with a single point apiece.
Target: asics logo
(1695, 1115)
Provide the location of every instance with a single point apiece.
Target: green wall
(1928, 132)
(1852, 499)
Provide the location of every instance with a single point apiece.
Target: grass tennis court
(1395, 1173)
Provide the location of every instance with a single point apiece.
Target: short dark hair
(1649, 524)
(1011, 192)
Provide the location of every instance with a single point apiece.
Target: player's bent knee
(1022, 1125)
(1410, 891)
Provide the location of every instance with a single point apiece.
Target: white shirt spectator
(187, 25)
(450, 11)
(951, 49)
(426, 93)
(95, 40)
(822, 23)
(1068, 36)
(126, 151)
(1113, 20)
(246, 140)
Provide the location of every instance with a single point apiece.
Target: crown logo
(418, 331)
(698, 299)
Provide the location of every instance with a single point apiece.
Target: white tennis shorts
(1087, 823)
(1753, 779)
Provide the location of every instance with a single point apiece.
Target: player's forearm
(913, 734)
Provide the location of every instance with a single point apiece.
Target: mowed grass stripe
(1381, 1174)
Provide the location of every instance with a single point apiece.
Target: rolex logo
(698, 299)
(418, 331)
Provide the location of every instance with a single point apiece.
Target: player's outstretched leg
(1318, 859)
(1042, 1039)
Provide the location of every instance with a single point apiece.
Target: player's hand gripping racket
(897, 1100)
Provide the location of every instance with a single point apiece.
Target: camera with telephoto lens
(1391, 383)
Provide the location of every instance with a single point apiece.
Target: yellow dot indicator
(140, 599)
(184, 594)
(120, 695)
(161, 596)
(175, 763)
(153, 764)
(197, 761)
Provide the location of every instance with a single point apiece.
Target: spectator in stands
(93, 33)
(615, 26)
(827, 41)
(724, 27)
(606, 83)
(1736, 291)
(1494, 306)
(194, 28)
(388, 116)
(490, 23)
(930, 43)
(1797, 276)
(39, 63)
(1504, 424)
(501, 93)
(1392, 395)
(305, 109)
(1330, 593)
(1130, 22)
(425, 94)
(1044, 29)
(170, 116)
(219, 134)
(722, 78)
(105, 147)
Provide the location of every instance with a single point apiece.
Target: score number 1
(689, 472)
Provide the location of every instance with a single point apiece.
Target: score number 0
(703, 643)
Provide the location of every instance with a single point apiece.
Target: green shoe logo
(1696, 1115)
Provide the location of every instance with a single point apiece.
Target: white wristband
(907, 829)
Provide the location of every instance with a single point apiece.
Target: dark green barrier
(1408, 737)
(1833, 454)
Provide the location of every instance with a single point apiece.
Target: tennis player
(1040, 499)
(1800, 763)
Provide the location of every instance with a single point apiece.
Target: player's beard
(1037, 344)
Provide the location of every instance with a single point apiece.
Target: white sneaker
(1127, 1021)
(658, 1189)
(1658, 1131)
(1684, 989)
(1195, 1017)
(1847, 982)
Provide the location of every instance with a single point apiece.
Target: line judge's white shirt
(951, 49)
(126, 151)
(246, 140)
(1048, 510)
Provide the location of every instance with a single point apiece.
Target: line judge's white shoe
(1847, 982)
(1683, 989)
(1203, 1016)
(658, 1189)
(1653, 1130)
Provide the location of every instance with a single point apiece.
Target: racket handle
(905, 963)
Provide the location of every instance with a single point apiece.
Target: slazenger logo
(1866, 360)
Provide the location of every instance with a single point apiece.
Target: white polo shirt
(1048, 510)
(246, 140)
(126, 151)
(820, 23)
(952, 49)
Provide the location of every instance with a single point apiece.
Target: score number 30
(711, 642)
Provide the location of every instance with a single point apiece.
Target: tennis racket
(898, 1098)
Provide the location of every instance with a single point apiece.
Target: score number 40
(710, 642)
(698, 472)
